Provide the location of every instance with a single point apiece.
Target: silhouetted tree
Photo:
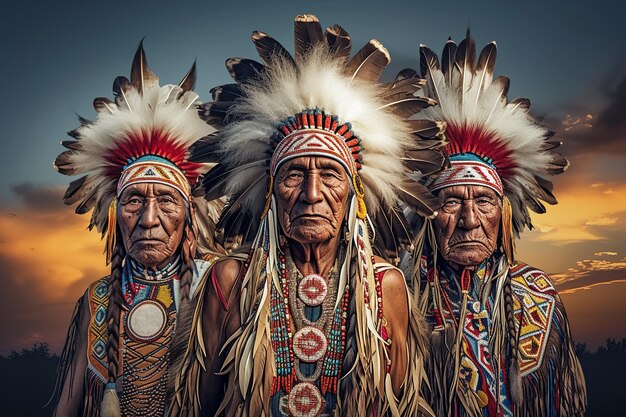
(40, 350)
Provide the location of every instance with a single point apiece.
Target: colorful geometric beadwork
(312, 290)
(96, 349)
(309, 344)
(305, 400)
(534, 310)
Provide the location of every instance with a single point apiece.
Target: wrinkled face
(312, 197)
(151, 218)
(468, 224)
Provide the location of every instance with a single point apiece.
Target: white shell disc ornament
(312, 290)
(146, 321)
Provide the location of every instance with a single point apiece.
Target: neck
(314, 258)
(161, 271)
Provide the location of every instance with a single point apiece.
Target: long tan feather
(307, 33)
(368, 64)
(189, 80)
(270, 49)
(339, 42)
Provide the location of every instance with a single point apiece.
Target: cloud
(601, 133)
(584, 213)
(601, 221)
(590, 286)
(589, 273)
(47, 260)
(39, 196)
(605, 254)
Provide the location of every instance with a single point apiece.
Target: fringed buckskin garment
(131, 329)
(500, 344)
(316, 345)
(146, 345)
(548, 380)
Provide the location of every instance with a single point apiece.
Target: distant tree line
(40, 350)
(31, 373)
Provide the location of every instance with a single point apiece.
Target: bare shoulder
(226, 278)
(393, 282)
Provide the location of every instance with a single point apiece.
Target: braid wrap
(512, 353)
(113, 312)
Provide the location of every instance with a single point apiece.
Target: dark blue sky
(58, 56)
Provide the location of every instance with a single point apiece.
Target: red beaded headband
(314, 133)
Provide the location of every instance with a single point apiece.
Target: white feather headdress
(483, 123)
(144, 120)
(270, 101)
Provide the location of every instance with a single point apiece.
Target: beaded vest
(148, 318)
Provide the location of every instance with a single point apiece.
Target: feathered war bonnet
(492, 141)
(319, 103)
(143, 135)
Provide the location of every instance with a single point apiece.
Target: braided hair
(113, 311)
(511, 353)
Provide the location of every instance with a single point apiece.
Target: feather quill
(407, 107)
(464, 62)
(188, 82)
(429, 67)
(339, 42)
(307, 33)
(139, 72)
(426, 161)
(447, 60)
(226, 92)
(418, 198)
(368, 64)
(243, 69)
(270, 49)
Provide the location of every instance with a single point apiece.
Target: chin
(467, 257)
(148, 256)
(310, 234)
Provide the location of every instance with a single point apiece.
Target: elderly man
(314, 324)
(127, 327)
(500, 344)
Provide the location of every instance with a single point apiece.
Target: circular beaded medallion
(305, 400)
(309, 344)
(146, 321)
(312, 290)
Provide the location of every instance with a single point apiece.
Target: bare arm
(70, 400)
(396, 312)
(218, 325)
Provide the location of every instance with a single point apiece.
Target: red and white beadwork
(309, 344)
(312, 290)
(305, 400)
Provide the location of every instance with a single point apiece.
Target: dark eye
(452, 203)
(483, 201)
(166, 199)
(293, 178)
(134, 201)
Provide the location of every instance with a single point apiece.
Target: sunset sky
(567, 57)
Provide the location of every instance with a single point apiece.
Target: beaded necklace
(308, 363)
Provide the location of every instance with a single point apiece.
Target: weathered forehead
(149, 189)
(467, 191)
(311, 163)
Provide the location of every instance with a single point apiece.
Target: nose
(150, 214)
(468, 218)
(311, 189)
